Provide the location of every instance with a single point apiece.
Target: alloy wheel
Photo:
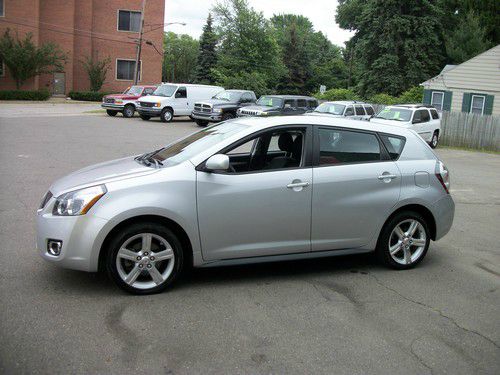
(145, 261)
(407, 242)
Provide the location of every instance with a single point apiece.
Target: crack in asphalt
(436, 310)
(419, 359)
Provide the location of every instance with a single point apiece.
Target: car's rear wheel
(201, 123)
(167, 115)
(404, 240)
(144, 258)
(435, 140)
(128, 111)
(144, 117)
(111, 113)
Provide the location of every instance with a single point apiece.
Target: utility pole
(139, 45)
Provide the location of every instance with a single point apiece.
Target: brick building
(84, 28)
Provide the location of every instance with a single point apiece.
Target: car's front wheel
(144, 258)
(111, 113)
(435, 140)
(128, 111)
(404, 240)
(166, 115)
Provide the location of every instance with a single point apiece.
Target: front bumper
(149, 111)
(444, 212)
(118, 107)
(206, 116)
(78, 235)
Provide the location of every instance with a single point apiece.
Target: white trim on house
(3, 9)
(442, 98)
(118, 20)
(127, 80)
(472, 102)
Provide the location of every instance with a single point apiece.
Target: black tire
(227, 116)
(167, 115)
(201, 123)
(435, 140)
(134, 230)
(383, 243)
(144, 117)
(111, 113)
(128, 111)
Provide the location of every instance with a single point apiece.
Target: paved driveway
(344, 315)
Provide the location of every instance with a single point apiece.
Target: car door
(356, 184)
(181, 103)
(421, 123)
(257, 210)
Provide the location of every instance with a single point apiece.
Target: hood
(122, 96)
(388, 122)
(217, 102)
(261, 108)
(101, 173)
(154, 98)
(313, 113)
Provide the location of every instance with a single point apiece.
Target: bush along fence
(470, 130)
(42, 94)
(91, 96)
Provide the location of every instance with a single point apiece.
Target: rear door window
(301, 103)
(369, 110)
(312, 104)
(425, 115)
(360, 111)
(290, 102)
(393, 144)
(434, 114)
(345, 146)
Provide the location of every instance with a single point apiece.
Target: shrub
(42, 94)
(383, 99)
(338, 94)
(413, 95)
(89, 96)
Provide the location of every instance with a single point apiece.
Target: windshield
(195, 143)
(270, 101)
(134, 90)
(396, 114)
(331, 108)
(229, 96)
(165, 90)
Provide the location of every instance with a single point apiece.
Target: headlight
(158, 104)
(118, 101)
(78, 202)
(217, 110)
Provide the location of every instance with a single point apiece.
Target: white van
(174, 99)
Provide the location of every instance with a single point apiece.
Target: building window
(125, 70)
(477, 104)
(2, 8)
(128, 20)
(437, 100)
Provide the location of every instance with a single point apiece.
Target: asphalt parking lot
(345, 315)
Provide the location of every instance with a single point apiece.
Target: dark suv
(222, 106)
(276, 105)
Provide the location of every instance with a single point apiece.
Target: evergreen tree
(207, 57)
(397, 44)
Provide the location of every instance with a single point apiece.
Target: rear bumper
(117, 107)
(444, 212)
(206, 116)
(149, 111)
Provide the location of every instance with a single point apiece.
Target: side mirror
(217, 162)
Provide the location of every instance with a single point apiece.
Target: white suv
(351, 109)
(423, 119)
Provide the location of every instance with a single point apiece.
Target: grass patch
(103, 111)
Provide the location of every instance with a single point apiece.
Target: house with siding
(473, 86)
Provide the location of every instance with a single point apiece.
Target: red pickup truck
(125, 102)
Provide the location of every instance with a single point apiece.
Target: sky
(320, 12)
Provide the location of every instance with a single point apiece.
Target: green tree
(207, 57)
(248, 46)
(179, 57)
(397, 44)
(25, 60)
(96, 70)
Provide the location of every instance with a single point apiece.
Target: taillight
(443, 175)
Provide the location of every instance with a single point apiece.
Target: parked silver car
(250, 190)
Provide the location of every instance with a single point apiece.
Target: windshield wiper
(147, 159)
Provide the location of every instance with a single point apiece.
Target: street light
(160, 25)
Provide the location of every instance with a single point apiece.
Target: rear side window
(434, 114)
(393, 144)
(369, 110)
(342, 146)
(360, 111)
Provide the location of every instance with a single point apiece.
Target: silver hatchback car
(250, 190)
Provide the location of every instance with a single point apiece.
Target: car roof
(346, 102)
(238, 91)
(266, 122)
(412, 106)
(191, 85)
(292, 97)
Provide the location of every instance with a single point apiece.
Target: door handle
(297, 185)
(387, 176)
